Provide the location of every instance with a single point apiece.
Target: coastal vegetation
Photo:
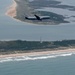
(27, 46)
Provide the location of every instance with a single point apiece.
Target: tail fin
(37, 17)
(26, 17)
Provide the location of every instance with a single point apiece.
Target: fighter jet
(38, 18)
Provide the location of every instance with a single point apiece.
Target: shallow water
(51, 66)
(34, 57)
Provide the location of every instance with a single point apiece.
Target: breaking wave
(23, 58)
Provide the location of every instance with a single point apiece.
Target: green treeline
(32, 45)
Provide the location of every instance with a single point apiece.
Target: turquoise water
(52, 66)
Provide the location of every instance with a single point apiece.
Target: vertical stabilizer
(37, 17)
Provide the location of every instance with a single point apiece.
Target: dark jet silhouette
(37, 18)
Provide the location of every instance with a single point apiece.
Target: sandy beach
(12, 10)
(70, 50)
(19, 9)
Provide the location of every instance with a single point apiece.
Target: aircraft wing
(45, 17)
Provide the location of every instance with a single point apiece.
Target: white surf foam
(23, 58)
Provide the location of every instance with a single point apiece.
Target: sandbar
(22, 8)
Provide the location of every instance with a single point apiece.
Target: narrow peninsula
(29, 8)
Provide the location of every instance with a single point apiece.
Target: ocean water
(61, 65)
(11, 29)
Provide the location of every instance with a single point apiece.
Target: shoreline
(19, 9)
(11, 12)
(39, 53)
